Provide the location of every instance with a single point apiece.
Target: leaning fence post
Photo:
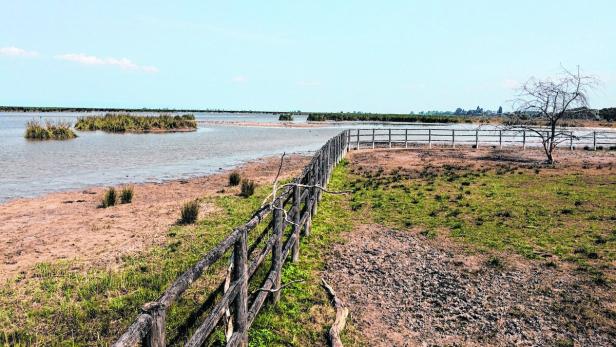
(476, 139)
(296, 220)
(240, 273)
(156, 335)
(389, 141)
(594, 140)
(523, 139)
(429, 138)
(277, 253)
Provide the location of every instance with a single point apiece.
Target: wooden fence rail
(400, 137)
(279, 238)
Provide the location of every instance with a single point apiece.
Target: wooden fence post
(523, 139)
(476, 139)
(594, 140)
(240, 273)
(372, 138)
(276, 254)
(357, 146)
(500, 139)
(156, 335)
(571, 141)
(296, 205)
(406, 138)
(389, 138)
(453, 138)
(429, 138)
(315, 190)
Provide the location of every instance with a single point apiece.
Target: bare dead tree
(541, 104)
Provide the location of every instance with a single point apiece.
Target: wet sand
(70, 226)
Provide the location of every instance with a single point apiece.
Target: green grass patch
(125, 122)
(49, 131)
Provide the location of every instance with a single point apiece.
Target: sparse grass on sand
(124, 122)
(49, 131)
(65, 303)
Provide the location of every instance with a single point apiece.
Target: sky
(370, 56)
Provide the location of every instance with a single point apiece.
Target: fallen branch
(341, 315)
(274, 290)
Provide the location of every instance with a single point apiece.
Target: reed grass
(234, 178)
(286, 117)
(189, 213)
(110, 198)
(248, 188)
(49, 131)
(126, 195)
(124, 122)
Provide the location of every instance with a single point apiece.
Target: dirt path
(406, 290)
(70, 226)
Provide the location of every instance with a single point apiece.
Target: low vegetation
(234, 178)
(189, 212)
(248, 188)
(286, 117)
(49, 131)
(375, 117)
(126, 195)
(109, 198)
(124, 122)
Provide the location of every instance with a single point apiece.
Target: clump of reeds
(124, 122)
(189, 212)
(110, 198)
(126, 195)
(49, 131)
(234, 178)
(248, 188)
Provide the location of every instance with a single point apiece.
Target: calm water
(32, 168)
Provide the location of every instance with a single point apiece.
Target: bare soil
(71, 226)
(406, 290)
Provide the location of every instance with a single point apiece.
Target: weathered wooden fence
(419, 136)
(291, 217)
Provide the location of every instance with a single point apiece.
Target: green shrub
(110, 198)
(189, 212)
(126, 195)
(49, 131)
(248, 188)
(234, 178)
(287, 117)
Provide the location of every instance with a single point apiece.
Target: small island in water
(124, 122)
(49, 131)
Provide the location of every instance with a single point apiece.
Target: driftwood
(341, 315)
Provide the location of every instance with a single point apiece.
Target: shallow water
(32, 168)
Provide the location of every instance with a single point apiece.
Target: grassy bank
(49, 131)
(67, 303)
(376, 117)
(124, 122)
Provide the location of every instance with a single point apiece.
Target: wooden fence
(291, 217)
(399, 137)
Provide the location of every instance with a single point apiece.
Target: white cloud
(122, 63)
(511, 84)
(17, 52)
(239, 79)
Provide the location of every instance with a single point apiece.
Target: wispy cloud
(239, 79)
(122, 63)
(17, 52)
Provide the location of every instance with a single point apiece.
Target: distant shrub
(287, 117)
(49, 131)
(234, 178)
(126, 195)
(248, 188)
(110, 198)
(189, 212)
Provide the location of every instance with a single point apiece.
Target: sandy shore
(69, 225)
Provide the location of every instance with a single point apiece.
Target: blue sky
(379, 56)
